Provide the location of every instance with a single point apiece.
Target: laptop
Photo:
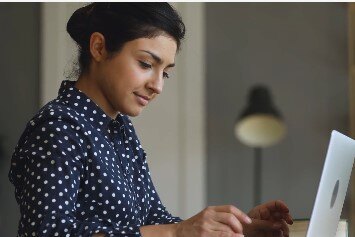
(332, 187)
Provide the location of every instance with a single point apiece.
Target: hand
(269, 220)
(217, 221)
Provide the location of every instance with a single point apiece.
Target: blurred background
(299, 51)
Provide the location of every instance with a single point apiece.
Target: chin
(133, 112)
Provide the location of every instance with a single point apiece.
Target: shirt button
(127, 172)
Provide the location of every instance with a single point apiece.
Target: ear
(97, 47)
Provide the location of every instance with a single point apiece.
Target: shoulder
(57, 110)
(53, 119)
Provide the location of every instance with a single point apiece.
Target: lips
(142, 100)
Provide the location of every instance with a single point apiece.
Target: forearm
(164, 230)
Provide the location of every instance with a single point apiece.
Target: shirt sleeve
(158, 213)
(47, 169)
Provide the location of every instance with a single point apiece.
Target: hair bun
(78, 25)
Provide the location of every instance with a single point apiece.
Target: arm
(168, 230)
(214, 221)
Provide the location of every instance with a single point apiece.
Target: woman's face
(132, 78)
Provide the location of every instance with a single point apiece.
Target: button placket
(127, 162)
(120, 146)
(127, 171)
(116, 142)
(118, 136)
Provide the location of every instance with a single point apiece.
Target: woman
(79, 169)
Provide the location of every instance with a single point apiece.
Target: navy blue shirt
(77, 172)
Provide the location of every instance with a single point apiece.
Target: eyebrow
(156, 58)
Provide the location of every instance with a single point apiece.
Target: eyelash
(147, 66)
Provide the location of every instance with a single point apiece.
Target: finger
(264, 213)
(258, 216)
(277, 205)
(267, 226)
(218, 226)
(277, 233)
(277, 215)
(241, 216)
(288, 218)
(281, 229)
(230, 220)
(285, 229)
(280, 205)
(283, 216)
(212, 225)
(255, 214)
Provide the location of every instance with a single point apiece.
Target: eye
(166, 75)
(145, 65)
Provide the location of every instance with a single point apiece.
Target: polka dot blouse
(77, 172)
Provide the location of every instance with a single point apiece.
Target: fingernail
(248, 220)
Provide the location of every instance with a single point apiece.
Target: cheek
(136, 77)
(124, 78)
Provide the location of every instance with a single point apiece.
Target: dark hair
(122, 22)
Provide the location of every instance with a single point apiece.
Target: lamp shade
(260, 123)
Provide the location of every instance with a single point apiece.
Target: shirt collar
(87, 108)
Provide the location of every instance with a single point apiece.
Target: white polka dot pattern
(77, 172)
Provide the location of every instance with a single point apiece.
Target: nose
(156, 84)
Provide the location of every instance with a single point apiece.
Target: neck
(91, 89)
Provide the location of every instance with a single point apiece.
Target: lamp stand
(257, 176)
